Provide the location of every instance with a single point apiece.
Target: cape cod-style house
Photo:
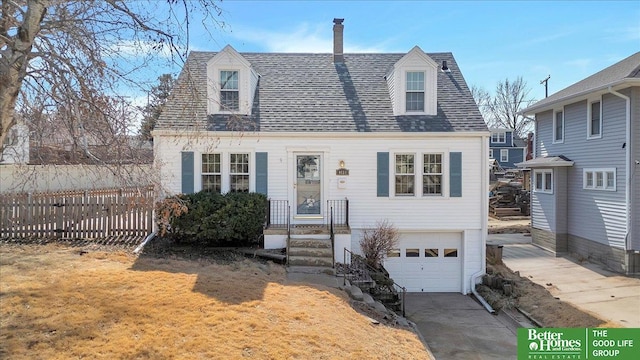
(585, 196)
(343, 139)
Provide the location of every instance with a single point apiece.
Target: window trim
(498, 133)
(605, 177)
(423, 91)
(395, 174)
(555, 127)
(543, 185)
(247, 174)
(441, 173)
(502, 157)
(222, 108)
(590, 134)
(203, 173)
(491, 154)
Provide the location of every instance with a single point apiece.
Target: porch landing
(305, 229)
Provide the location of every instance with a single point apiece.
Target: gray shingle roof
(624, 70)
(308, 92)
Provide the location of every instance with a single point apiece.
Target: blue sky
(491, 40)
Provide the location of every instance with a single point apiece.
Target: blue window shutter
(187, 172)
(455, 174)
(262, 171)
(383, 174)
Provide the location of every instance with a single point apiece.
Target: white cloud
(304, 38)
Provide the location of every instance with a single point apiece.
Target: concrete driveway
(455, 326)
(589, 286)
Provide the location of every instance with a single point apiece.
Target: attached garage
(427, 262)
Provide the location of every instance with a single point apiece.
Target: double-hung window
(405, 174)
(599, 179)
(595, 120)
(239, 172)
(504, 155)
(432, 174)
(211, 173)
(558, 127)
(229, 91)
(415, 91)
(499, 137)
(543, 181)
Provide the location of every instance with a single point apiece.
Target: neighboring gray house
(506, 148)
(585, 172)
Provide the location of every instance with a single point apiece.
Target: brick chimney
(338, 41)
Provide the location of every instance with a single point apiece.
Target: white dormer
(231, 83)
(413, 84)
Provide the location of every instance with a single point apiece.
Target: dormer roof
(308, 92)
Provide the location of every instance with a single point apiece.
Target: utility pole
(546, 82)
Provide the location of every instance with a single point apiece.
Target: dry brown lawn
(57, 302)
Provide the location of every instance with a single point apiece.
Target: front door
(308, 187)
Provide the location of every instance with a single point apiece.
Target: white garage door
(429, 262)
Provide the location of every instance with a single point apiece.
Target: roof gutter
(627, 185)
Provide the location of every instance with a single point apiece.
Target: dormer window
(229, 91)
(231, 83)
(413, 84)
(499, 137)
(415, 91)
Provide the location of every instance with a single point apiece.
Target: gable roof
(308, 92)
(624, 71)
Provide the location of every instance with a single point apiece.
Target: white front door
(308, 187)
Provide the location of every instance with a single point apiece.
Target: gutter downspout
(138, 249)
(485, 222)
(627, 185)
(478, 296)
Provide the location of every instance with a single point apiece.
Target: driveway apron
(455, 326)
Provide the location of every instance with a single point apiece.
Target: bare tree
(62, 56)
(503, 109)
(378, 241)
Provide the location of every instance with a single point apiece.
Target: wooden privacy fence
(77, 214)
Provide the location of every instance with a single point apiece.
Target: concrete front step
(309, 243)
(310, 261)
(311, 252)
